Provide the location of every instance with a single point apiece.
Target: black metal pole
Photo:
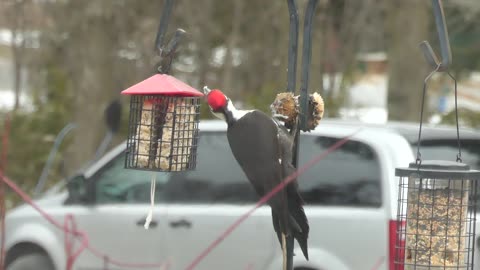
(162, 27)
(306, 59)
(292, 67)
(292, 46)
(166, 51)
(291, 87)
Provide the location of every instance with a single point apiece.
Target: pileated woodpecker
(263, 148)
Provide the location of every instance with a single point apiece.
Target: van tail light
(396, 244)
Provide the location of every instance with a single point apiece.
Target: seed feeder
(164, 114)
(438, 215)
(436, 202)
(163, 126)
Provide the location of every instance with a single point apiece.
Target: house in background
(7, 96)
(366, 97)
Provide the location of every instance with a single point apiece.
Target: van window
(116, 185)
(217, 177)
(448, 150)
(349, 176)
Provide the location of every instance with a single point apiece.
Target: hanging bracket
(442, 31)
(438, 66)
(167, 52)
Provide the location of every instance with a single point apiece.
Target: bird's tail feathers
(298, 215)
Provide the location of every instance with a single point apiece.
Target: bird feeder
(163, 125)
(436, 208)
(437, 199)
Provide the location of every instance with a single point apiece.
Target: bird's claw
(280, 116)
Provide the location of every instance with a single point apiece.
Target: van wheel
(33, 261)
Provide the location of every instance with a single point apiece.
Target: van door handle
(180, 223)
(141, 222)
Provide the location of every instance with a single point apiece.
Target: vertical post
(292, 67)
(292, 46)
(306, 59)
(166, 51)
(291, 87)
(105, 263)
(162, 27)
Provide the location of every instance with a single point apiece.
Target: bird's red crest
(216, 99)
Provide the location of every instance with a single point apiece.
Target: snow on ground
(6, 38)
(375, 115)
(367, 100)
(7, 100)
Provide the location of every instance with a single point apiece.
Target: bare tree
(102, 47)
(407, 25)
(232, 46)
(15, 13)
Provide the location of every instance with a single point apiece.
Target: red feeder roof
(162, 84)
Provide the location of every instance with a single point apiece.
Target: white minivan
(350, 195)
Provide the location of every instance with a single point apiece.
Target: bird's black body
(263, 148)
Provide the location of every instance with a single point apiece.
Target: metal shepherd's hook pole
(288, 243)
(167, 52)
(438, 66)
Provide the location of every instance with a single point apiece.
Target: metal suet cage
(163, 125)
(436, 213)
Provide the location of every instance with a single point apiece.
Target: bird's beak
(206, 90)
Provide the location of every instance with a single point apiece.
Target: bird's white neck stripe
(234, 113)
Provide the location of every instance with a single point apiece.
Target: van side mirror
(113, 116)
(77, 187)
